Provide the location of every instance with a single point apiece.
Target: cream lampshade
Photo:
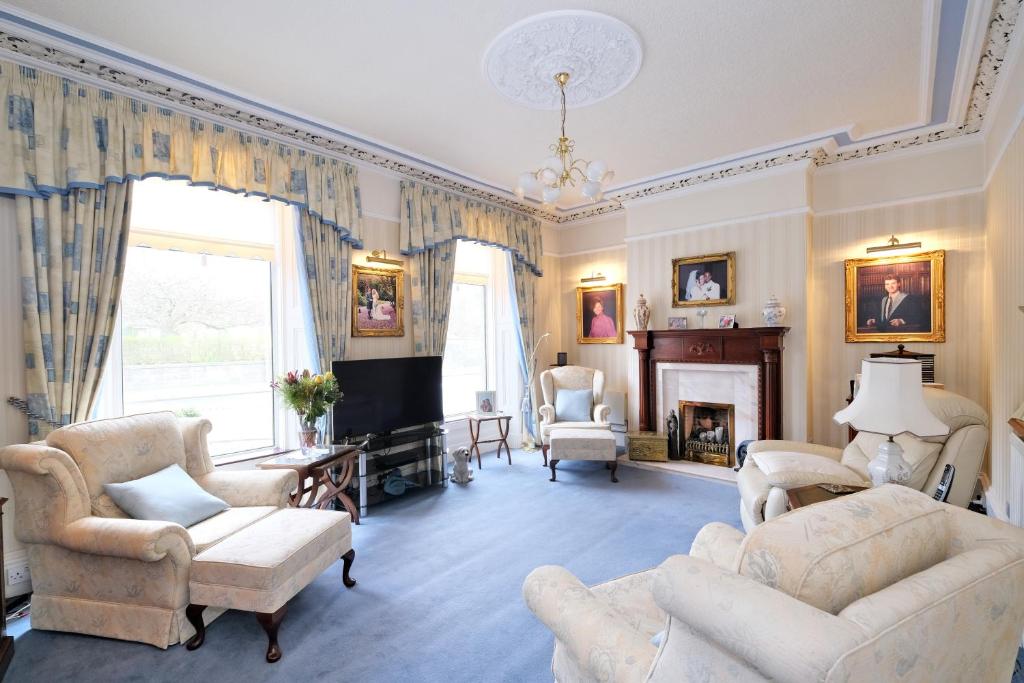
(891, 402)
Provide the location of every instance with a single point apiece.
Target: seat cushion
(262, 566)
(574, 405)
(790, 470)
(582, 444)
(833, 553)
(548, 429)
(215, 529)
(120, 449)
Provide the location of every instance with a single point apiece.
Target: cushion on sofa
(833, 553)
(789, 470)
(574, 405)
(169, 495)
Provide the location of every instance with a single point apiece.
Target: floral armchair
(882, 585)
(570, 377)
(96, 571)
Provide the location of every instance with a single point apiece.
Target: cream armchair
(570, 377)
(882, 585)
(773, 467)
(93, 569)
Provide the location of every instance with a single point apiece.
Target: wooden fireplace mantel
(760, 346)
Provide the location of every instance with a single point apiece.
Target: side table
(504, 424)
(314, 471)
(808, 495)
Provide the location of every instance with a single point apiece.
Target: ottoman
(260, 568)
(583, 444)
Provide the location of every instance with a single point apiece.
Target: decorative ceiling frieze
(999, 35)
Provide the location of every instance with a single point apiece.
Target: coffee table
(317, 469)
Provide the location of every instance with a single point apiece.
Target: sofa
(774, 466)
(96, 571)
(882, 585)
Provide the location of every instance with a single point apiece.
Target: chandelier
(561, 168)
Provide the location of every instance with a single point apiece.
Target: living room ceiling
(718, 81)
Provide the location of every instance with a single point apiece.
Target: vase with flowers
(311, 397)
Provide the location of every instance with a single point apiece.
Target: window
(197, 316)
(467, 349)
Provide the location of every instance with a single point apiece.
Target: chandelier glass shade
(562, 168)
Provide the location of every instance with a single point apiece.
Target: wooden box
(648, 446)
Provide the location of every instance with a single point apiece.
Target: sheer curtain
(72, 251)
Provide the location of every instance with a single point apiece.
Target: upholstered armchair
(570, 377)
(881, 585)
(96, 571)
(773, 467)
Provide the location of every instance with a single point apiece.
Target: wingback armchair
(881, 585)
(570, 377)
(772, 467)
(94, 570)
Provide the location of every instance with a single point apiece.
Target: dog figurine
(461, 474)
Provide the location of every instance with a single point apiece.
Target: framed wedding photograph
(896, 298)
(486, 402)
(708, 280)
(377, 303)
(599, 314)
(727, 321)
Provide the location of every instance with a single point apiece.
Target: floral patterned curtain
(62, 135)
(432, 273)
(72, 251)
(431, 216)
(327, 256)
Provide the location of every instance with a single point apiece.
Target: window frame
(481, 280)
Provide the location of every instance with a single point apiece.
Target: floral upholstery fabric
(215, 529)
(582, 444)
(571, 377)
(787, 470)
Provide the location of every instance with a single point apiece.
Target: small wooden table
(315, 471)
(808, 495)
(504, 424)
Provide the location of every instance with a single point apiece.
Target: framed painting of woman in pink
(599, 314)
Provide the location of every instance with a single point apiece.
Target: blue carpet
(439, 584)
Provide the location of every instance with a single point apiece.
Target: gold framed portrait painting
(599, 314)
(896, 298)
(708, 280)
(377, 302)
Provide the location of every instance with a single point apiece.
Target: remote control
(942, 491)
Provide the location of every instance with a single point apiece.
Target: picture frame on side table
(896, 298)
(599, 314)
(708, 280)
(486, 403)
(377, 302)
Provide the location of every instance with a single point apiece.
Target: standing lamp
(891, 402)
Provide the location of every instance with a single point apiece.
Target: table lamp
(891, 402)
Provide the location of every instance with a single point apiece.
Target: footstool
(583, 444)
(260, 568)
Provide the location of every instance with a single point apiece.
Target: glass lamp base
(889, 467)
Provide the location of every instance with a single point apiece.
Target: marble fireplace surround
(710, 383)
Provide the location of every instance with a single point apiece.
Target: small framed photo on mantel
(727, 321)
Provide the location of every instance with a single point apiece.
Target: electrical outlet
(17, 574)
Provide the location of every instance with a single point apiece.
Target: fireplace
(707, 432)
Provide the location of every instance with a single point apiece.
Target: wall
(1004, 202)
(956, 224)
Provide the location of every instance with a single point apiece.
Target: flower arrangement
(310, 396)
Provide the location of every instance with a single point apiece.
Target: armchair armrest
(801, 642)
(132, 539)
(768, 445)
(594, 635)
(547, 414)
(601, 413)
(786, 470)
(245, 488)
(717, 543)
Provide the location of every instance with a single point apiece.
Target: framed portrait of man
(700, 281)
(377, 302)
(896, 298)
(599, 314)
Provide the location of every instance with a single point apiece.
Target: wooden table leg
(336, 489)
(271, 622)
(503, 433)
(474, 436)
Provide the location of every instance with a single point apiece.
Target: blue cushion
(169, 495)
(574, 405)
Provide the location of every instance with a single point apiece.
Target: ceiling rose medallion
(558, 60)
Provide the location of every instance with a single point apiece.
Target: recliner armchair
(774, 466)
(570, 377)
(93, 569)
(881, 585)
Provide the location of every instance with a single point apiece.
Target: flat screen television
(385, 394)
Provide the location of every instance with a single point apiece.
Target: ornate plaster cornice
(201, 101)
